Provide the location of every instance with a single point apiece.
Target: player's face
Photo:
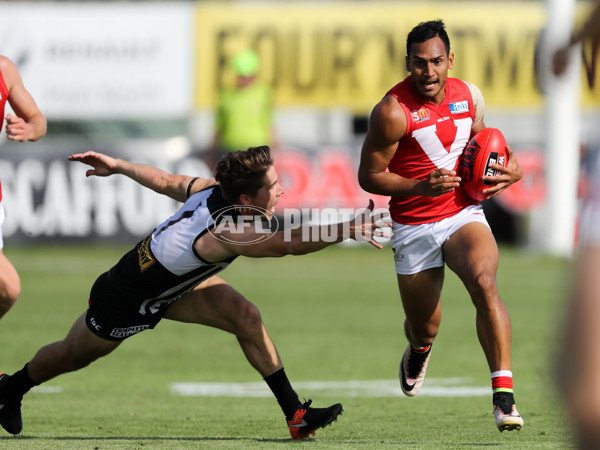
(428, 64)
(268, 195)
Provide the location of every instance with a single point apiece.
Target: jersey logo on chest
(459, 107)
(420, 115)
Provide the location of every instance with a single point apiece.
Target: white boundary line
(47, 389)
(440, 387)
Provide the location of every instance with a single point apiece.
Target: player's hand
(103, 165)
(439, 182)
(17, 129)
(368, 225)
(510, 174)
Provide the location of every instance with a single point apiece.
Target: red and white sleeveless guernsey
(435, 138)
(3, 98)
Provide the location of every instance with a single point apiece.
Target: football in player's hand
(485, 148)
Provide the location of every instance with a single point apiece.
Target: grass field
(334, 316)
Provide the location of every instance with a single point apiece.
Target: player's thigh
(471, 251)
(421, 293)
(213, 303)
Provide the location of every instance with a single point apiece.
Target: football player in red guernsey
(26, 124)
(416, 135)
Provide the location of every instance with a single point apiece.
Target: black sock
(19, 384)
(284, 393)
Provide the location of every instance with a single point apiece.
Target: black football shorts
(112, 315)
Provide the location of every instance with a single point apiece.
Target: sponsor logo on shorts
(459, 107)
(420, 115)
(129, 331)
(94, 323)
(144, 255)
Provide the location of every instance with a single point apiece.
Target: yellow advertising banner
(350, 54)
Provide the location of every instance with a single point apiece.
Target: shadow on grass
(136, 438)
(216, 439)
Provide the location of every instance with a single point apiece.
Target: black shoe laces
(306, 404)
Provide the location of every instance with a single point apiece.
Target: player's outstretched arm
(174, 186)
(364, 227)
(28, 123)
(306, 238)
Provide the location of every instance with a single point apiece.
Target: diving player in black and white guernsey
(160, 269)
(172, 275)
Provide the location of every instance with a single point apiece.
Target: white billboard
(102, 60)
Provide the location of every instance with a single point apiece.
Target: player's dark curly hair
(243, 172)
(425, 31)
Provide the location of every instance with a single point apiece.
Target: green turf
(334, 316)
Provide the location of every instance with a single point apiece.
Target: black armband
(189, 188)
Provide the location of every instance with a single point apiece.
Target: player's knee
(13, 291)
(249, 318)
(9, 293)
(483, 290)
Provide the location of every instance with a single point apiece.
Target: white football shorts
(419, 247)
